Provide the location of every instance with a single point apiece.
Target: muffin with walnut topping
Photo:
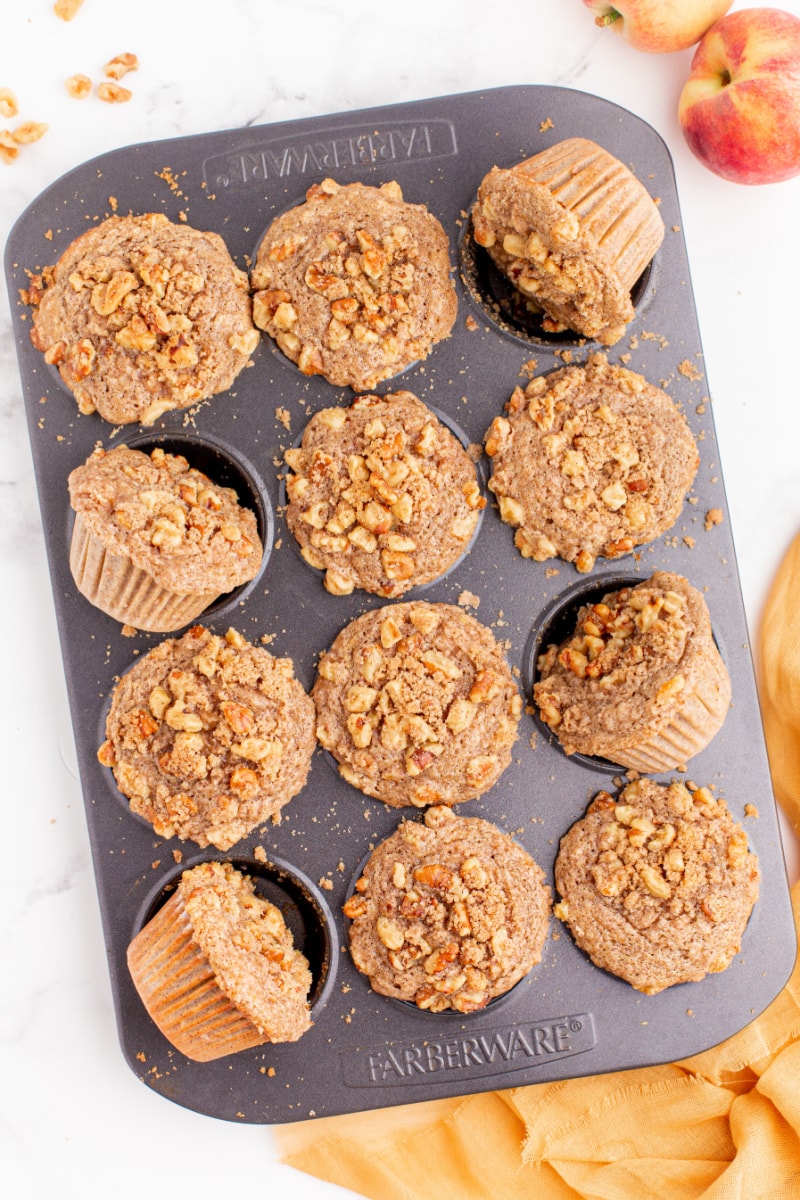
(141, 316)
(382, 496)
(354, 284)
(589, 461)
(155, 541)
(449, 913)
(216, 967)
(657, 886)
(640, 682)
(208, 737)
(572, 229)
(417, 704)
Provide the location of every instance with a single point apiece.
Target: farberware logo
(491, 1052)
(329, 151)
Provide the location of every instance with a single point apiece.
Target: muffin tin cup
(566, 1017)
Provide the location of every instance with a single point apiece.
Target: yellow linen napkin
(723, 1125)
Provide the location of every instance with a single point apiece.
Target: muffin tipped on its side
(216, 967)
(155, 541)
(640, 682)
(572, 229)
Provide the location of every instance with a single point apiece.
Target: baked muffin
(657, 887)
(354, 284)
(141, 316)
(216, 967)
(417, 704)
(208, 737)
(155, 541)
(572, 229)
(449, 913)
(640, 682)
(382, 496)
(590, 461)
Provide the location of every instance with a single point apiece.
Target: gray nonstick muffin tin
(567, 1017)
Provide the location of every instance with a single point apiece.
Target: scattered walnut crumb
(340, 865)
(750, 810)
(8, 103)
(78, 86)
(67, 9)
(177, 856)
(689, 370)
(528, 368)
(533, 739)
(468, 599)
(690, 1012)
(326, 884)
(625, 358)
(713, 517)
(142, 1057)
(119, 66)
(655, 337)
(266, 639)
(113, 93)
(689, 541)
(260, 854)
(551, 572)
(155, 864)
(471, 323)
(8, 147)
(285, 417)
(129, 631)
(545, 125)
(113, 203)
(676, 228)
(48, 233)
(701, 408)
(271, 1072)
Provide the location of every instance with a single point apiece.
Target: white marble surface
(73, 1117)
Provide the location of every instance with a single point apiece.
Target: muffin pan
(566, 1017)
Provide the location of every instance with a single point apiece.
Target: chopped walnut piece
(67, 9)
(112, 93)
(120, 65)
(9, 149)
(8, 103)
(78, 86)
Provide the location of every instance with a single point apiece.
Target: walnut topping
(120, 65)
(78, 86)
(372, 501)
(113, 93)
(8, 103)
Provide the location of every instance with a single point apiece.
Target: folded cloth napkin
(723, 1125)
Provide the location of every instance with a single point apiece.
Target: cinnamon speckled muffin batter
(417, 704)
(382, 496)
(448, 913)
(657, 887)
(589, 461)
(141, 316)
(641, 681)
(354, 284)
(208, 737)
